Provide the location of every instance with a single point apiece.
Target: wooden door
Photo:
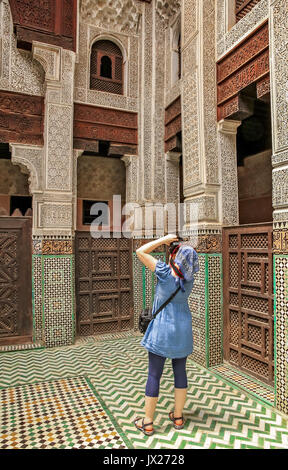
(104, 293)
(248, 299)
(15, 280)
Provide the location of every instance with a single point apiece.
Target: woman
(169, 335)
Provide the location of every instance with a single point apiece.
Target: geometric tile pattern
(122, 334)
(58, 299)
(250, 384)
(53, 299)
(37, 298)
(281, 330)
(218, 415)
(197, 305)
(137, 289)
(215, 309)
(61, 414)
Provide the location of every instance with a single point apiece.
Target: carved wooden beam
(244, 65)
(92, 123)
(51, 22)
(21, 118)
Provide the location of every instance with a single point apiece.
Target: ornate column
(227, 131)
(278, 11)
(200, 159)
(51, 170)
(201, 176)
(172, 186)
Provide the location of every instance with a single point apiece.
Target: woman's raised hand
(169, 239)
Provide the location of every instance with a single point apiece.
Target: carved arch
(29, 159)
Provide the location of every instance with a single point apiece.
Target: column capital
(172, 156)
(127, 159)
(228, 126)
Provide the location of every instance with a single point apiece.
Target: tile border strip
(108, 412)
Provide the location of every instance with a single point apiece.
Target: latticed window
(242, 7)
(106, 67)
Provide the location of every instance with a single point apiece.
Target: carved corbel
(30, 159)
(127, 159)
(173, 157)
(50, 58)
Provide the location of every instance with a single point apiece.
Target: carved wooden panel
(48, 21)
(248, 299)
(172, 124)
(104, 290)
(15, 280)
(247, 63)
(21, 118)
(93, 123)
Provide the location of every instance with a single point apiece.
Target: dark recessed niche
(87, 218)
(5, 151)
(254, 134)
(23, 203)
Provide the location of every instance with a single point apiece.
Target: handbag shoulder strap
(166, 302)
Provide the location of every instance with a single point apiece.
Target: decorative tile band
(21, 347)
(57, 247)
(52, 246)
(210, 243)
(280, 241)
(281, 331)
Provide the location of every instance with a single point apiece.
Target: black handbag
(146, 314)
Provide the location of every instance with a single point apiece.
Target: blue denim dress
(170, 333)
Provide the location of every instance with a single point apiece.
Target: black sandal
(176, 426)
(142, 428)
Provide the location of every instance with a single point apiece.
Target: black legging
(156, 366)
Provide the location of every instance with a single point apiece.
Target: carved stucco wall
(19, 72)
(140, 29)
(278, 12)
(228, 38)
(115, 21)
(200, 156)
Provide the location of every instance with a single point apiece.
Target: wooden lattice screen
(101, 49)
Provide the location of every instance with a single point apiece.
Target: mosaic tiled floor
(120, 335)
(58, 414)
(250, 384)
(218, 415)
